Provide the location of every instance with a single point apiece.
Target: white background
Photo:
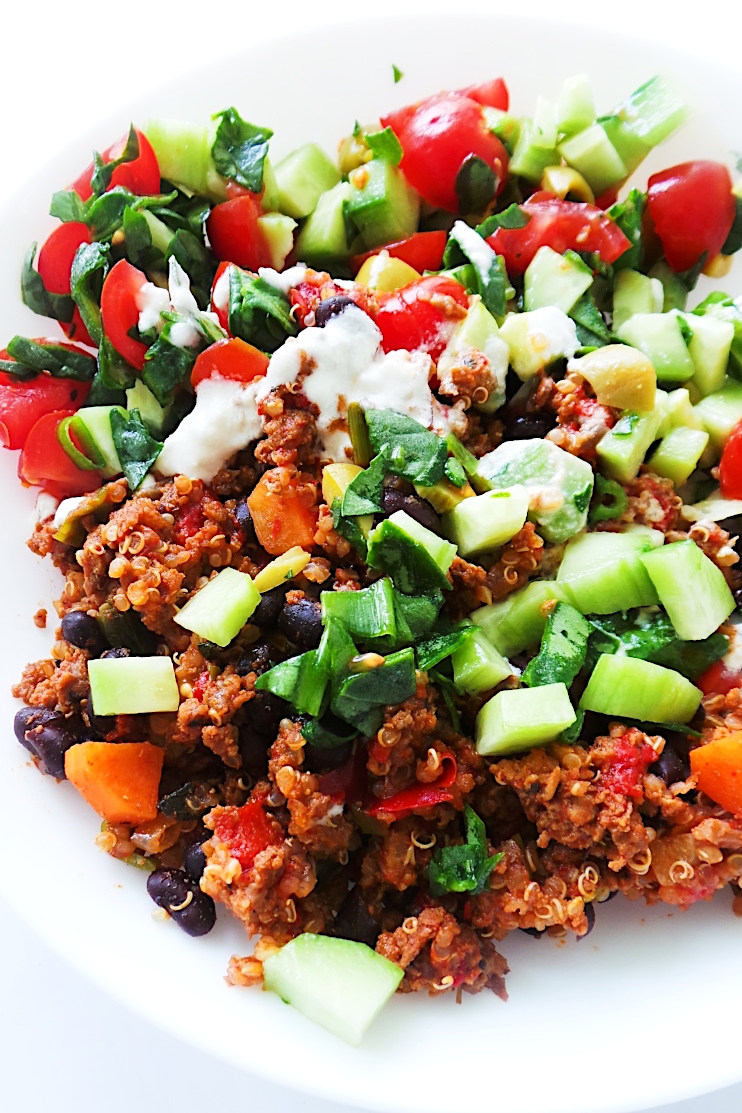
(63, 1044)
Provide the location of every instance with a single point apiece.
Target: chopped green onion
(359, 439)
(87, 459)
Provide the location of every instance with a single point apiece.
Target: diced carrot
(718, 769)
(281, 517)
(120, 780)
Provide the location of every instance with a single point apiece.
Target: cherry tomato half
(421, 316)
(24, 401)
(437, 137)
(693, 208)
(423, 251)
(44, 463)
(120, 308)
(559, 225)
(492, 94)
(220, 294)
(54, 265)
(141, 175)
(235, 235)
(730, 466)
(718, 679)
(230, 359)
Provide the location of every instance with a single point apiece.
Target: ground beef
(519, 560)
(581, 421)
(651, 502)
(290, 430)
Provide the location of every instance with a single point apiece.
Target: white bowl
(644, 1011)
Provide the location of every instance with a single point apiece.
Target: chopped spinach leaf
(58, 361)
(464, 868)
(654, 640)
(625, 425)
(690, 277)
(491, 277)
(185, 802)
(563, 648)
(258, 313)
(628, 216)
(462, 454)
(36, 296)
(416, 613)
(195, 259)
(592, 331)
(136, 449)
(476, 185)
(240, 149)
(181, 210)
(385, 145)
(348, 528)
(449, 691)
(412, 450)
(512, 217)
(139, 248)
(68, 207)
(103, 171)
(89, 269)
(363, 494)
(300, 681)
(328, 732)
(572, 733)
(454, 472)
(396, 74)
(361, 695)
(166, 366)
(434, 650)
(114, 373)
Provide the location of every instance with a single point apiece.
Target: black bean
(330, 307)
(100, 724)
(527, 426)
(180, 895)
(301, 622)
(194, 861)
(29, 719)
(320, 759)
(269, 608)
(47, 735)
(244, 520)
(259, 658)
(265, 712)
(117, 651)
(82, 630)
(670, 766)
(417, 508)
(533, 932)
(590, 916)
(354, 921)
(738, 596)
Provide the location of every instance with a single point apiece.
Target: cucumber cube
(602, 573)
(679, 412)
(337, 983)
(302, 177)
(720, 412)
(477, 666)
(538, 338)
(621, 451)
(487, 521)
(133, 685)
(559, 484)
(530, 158)
(658, 335)
(592, 153)
(553, 279)
(97, 421)
(323, 239)
(416, 558)
(220, 609)
(184, 156)
(631, 149)
(652, 112)
(381, 204)
(140, 397)
(691, 588)
(278, 233)
(545, 124)
(521, 718)
(518, 622)
(576, 105)
(635, 293)
(677, 455)
(709, 349)
(635, 689)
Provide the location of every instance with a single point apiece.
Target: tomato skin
(492, 94)
(120, 310)
(718, 679)
(140, 176)
(423, 251)
(220, 306)
(437, 136)
(408, 318)
(76, 330)
(693, 209)
(559, 225)
(230, 359)
(44, 463)
(234, 233)
(730, 465)
(23, 402)
(57, 254)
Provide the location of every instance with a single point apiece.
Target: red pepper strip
(419, 795)
(348, 782)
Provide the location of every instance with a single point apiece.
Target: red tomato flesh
(140, 176)
(693, 208)
(493, 94)
(119, 305)
(57, 254)
(730, 466)
(718, 679)
(421, 316)
(234, 233)
(23, 402)
(559, 225)
(44, 463)
(230, 359)
(423, 251)
(220, 295)
(437, 136)
(247, 831)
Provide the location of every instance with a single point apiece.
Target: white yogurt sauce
(152, 301)
(285, 281)
(65, 508)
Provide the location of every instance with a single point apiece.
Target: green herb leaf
(592, 331)
(434, 650)
(240, 149)
(492, 279)
(466, 458)
(55, 359)
(139, 249)
(361, 695)
(114, 373)
(449, 691)
(512, 217)
(348, 528)
(454, 472)
(258, 313)
(67, 206)
(625, 425)
(385, 145)
(690, 277)
(563, 648)
(416, 614)
(465, 868)
(36, 296)
(412, 451)
(328, 732)
(166, 366)
(363, 494)
(397, 74)
(733, 242)
(610, 500)
(103, 172)
(628, 216)
(572, 733)
(136, 449)
(476, 185)
(197, 261)
(89, 269)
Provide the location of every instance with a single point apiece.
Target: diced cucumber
(530, 158)
(269, 200)
(278, 233)
(545, 124)
(518, 622)
(133, 685)
(337, 983)
(592, 153)
(631, 149)
(302, 177)
(677, 455)
(368, 613)
(184, 156)
(691, 588)
(97, 421)
(553, 279)
(487, 521)
(140, 397)
(322, 241)
(720, 412)
(709, 349)
(478, 332)
(559, 484)
(520, 718)
(602, 573)
(220, 609)
(679, 412)
(620, 375)
(477, 666)
(161, 235)
(652, 112)
(381, 204)
(635, 293)
(538, 338)
(637, 689)
(416, 558)
(675, 291)
(659, 336)
(576, 105)
(504, 126)
(622, 449)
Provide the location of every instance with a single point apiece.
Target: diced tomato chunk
(235, 235)
(421, 316)
(693, 209)
(140, 176)
(730, 466)
(493, 94)
(423, 252)
(247, 831)
(24, 401)
(718, 679)
(630, 760)
(230, 359)
(120, 308)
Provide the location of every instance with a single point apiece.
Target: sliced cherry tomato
(230, 359)
(492, 94)
(437, 137)
(559, 225)
(693, 209)
(24, 401)
(235, 235)
(220, 294)
(730, 466)
(120, 308)
(423, 251)
(718, 679)
(141, 175)
(421, 316)
(44, 463)
(57, 254)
